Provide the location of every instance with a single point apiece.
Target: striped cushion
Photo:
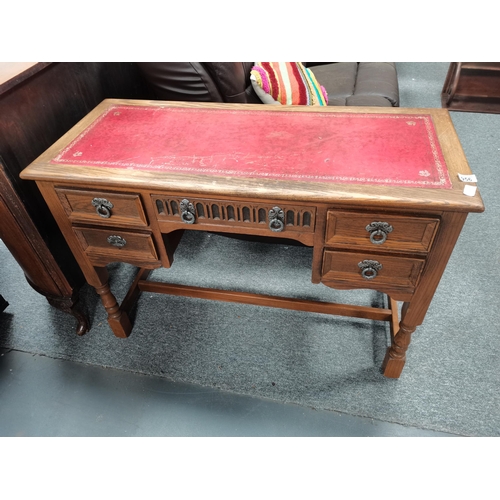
(287, 83)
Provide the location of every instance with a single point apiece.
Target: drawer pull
(102, 207)
(369, 268)
(276, 219)
(117, 241)
(188, 213)
(379, 231)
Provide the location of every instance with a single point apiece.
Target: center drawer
(274, 216)
(378, 231)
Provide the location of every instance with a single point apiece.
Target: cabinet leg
(118, 320)
(70, 305)
(3, 304)
(66, 303)
(395, 357)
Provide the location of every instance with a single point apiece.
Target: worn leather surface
(387, 149)
(347, 83)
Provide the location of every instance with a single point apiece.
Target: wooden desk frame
(333, 217)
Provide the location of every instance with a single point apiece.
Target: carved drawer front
(368, 270)
(102, 207)
(113, 245)
(380, 231)
(275, 216)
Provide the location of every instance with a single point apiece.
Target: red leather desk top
(367, 148)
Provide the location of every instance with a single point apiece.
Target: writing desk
(374, 191)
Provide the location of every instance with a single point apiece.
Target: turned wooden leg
(395, 357)
(117, 319)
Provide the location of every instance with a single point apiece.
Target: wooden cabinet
(40, 102)
(27, 245)
(472, 86)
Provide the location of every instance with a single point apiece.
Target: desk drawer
(111, 245)
(235, 214)
(380, 231)
(368, 270)
(102, 207)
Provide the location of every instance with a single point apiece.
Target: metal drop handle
(117, 241)
(102, 207)
(188, 213)
(369, 268)
(379, 231)
(276, 219)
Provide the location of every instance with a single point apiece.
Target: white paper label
(470, 190)
(467, 178)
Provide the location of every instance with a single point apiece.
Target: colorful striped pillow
(287, 83)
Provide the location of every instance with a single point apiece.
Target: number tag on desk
(467, 178)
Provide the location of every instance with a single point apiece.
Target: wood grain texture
(13, 73)
(352, 311)
(151, 210)
(409, 234)
(138, 248)
(126, 208)
(396, 274)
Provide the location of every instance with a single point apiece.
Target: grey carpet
(451, 380)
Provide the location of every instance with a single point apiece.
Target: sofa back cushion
(200, 81)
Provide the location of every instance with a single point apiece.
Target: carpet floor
(451, 380)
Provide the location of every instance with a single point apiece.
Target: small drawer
(380, 231)
(367, 270)
(111, 245)
(102, 207)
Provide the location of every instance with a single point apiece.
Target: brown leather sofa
(347, 83)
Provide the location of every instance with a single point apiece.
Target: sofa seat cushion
(359, 84)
